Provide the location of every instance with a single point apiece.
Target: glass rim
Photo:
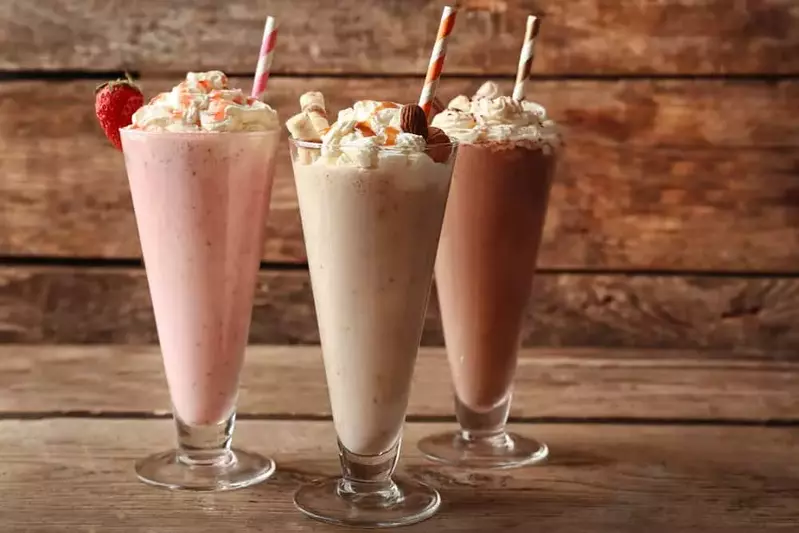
(383, 148)
(199, 134)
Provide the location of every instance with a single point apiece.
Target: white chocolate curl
(301, 128)
(313, 103)
(311, 123)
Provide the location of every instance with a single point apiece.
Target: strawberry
(114, 104)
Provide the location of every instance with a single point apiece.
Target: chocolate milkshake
(485, 265)
(486, 261)
(372, 196)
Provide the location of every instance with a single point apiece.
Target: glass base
(503, 450)
(236, 469)
(339, 502)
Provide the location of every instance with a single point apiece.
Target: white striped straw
(265, 57)
(437, 60)
(526, 57)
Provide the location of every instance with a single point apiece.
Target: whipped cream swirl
(368, 130)
(490, 116)
(204, 102)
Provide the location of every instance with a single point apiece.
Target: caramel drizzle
(364, 128)
(367, 131)
(384, 105)
(391, 136)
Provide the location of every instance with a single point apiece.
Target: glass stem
(485, 425)
(367, 478)
(205, 445)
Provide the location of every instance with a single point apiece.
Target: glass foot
(505, 450)
(340, 502)
(234, 470)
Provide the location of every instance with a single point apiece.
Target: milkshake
(200, 161)
(371, 241)
(485, 266)
(372, 197)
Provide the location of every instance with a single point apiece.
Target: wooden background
(674, 222)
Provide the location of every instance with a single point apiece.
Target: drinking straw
(437, 60)
(526, 57)
(265, 57)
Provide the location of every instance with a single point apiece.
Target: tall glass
(201, 202)
(484, 273)
(371, 236)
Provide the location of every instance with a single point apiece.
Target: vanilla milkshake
(486, 260)
(372, 203)
(200, 162)
(372, 197)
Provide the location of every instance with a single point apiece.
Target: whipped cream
(365, 133)
(204, 102)
(491, 116)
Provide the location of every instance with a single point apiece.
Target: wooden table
(641, 441)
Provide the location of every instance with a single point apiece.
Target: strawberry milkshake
(372, 190)
(485, 266)
(200, 162)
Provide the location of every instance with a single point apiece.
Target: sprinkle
(220, 113)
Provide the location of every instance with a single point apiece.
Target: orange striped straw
(265, 57)
(437, 59)
(526, 57)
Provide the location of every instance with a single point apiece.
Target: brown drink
(485, 266)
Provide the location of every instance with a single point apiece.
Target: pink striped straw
(437, 60)
(265, 57)
(526, 57)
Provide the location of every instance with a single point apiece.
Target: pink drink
(200, 161)
(201, 202)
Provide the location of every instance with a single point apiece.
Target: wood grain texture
(77, 475)
(550, 383)
(657, 174)
(111, 305)
(318, 36)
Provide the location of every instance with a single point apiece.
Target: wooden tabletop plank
(319, 36)
(550, 384)
(653, 175)
(76, 475)
(52, 305)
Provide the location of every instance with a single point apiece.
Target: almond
(438, 145)
(413, 120)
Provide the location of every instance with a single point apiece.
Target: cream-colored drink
(372, 202)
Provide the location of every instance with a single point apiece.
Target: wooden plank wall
(674, 221)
